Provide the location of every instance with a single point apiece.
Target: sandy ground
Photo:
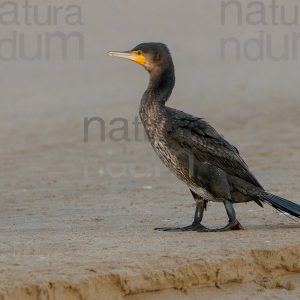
(74, 212)
(77, 217)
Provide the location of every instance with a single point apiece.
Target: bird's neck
(159, 89)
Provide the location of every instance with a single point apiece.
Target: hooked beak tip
(110, 53)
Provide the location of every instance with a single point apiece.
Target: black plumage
(193, 150)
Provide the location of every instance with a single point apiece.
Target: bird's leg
(233, 223)
(196, 225)
(198, 214)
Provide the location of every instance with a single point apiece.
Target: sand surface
(77, 217)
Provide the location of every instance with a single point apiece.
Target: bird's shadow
(272, 227)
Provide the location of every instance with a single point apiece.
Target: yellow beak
(131, 55)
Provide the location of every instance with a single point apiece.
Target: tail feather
(282, 204)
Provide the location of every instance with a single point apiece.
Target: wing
(207, 145)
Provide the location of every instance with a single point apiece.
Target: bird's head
(152, 56)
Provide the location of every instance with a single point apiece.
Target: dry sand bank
(261, 270)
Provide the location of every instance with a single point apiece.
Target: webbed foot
(234, 225)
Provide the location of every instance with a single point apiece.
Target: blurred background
(86, 82)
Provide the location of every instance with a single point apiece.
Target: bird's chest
(155, 127)
(153, 121)
(165, 153)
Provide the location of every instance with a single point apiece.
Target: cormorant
(193, 150)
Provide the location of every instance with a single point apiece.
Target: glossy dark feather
(207, 145)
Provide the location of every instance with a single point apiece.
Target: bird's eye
(139, 52)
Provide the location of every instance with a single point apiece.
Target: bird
(192, 149)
